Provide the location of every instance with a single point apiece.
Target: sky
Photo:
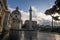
(38, 7)
(41, 5)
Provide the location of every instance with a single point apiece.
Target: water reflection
(55, 36)
(30, 35)
(36, 35)
(42, 36)
(48, 36)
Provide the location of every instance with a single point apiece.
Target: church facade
(15, 19)
(16, 24)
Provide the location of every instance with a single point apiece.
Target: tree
(54, 9)
(51, 10)
(57, 3)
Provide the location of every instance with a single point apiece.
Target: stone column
(30, 25)
(30, 34)
(5, 20)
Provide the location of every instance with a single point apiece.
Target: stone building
(3, 11)
(15, 18)
(5, 20)
(27, 24)
(34, 24)
(16, 24)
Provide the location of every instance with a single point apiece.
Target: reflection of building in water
(16, 23)
(30, 35)
(3, 8)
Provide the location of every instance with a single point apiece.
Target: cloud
(11, 9)
(41, 18)
(25, 15)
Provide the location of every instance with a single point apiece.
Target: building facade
(15, 18)
(27, 24)
(16, 24)
(3, 8)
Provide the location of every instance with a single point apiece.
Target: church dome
(16, 13)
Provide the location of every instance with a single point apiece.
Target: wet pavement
(34, 35)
